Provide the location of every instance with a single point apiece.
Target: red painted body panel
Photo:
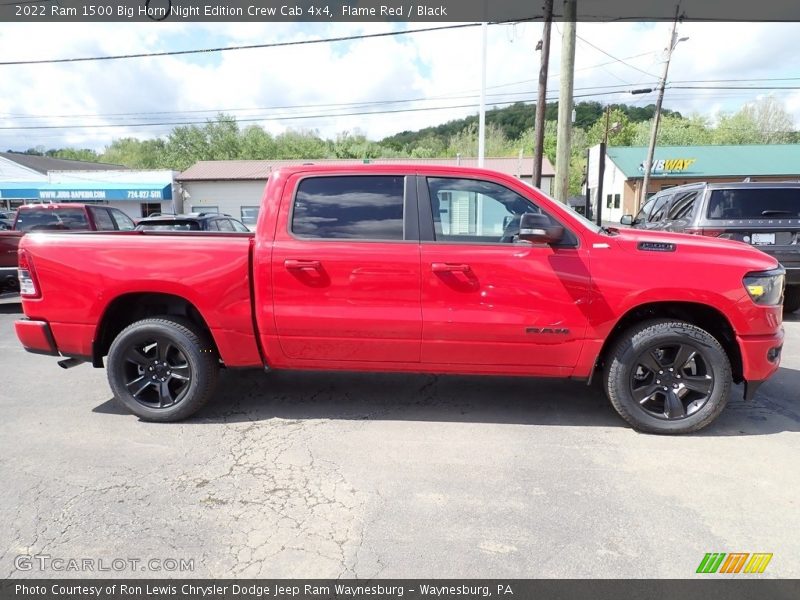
(482, 316)
(9, 240)
(384, 306)
(80, 275)
(35, 336)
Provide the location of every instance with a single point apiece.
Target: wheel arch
(702, 315)
(132, 307)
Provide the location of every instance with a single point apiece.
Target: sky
(442, 70)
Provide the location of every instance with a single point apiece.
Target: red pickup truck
(418, 269)
(54, 217)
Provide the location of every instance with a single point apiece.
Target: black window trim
(410, 221)
(428, 232)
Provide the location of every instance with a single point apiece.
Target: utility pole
(482, 117)
(565, 101)
(651, 150)
(541, 102)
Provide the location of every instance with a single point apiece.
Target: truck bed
(81, 274)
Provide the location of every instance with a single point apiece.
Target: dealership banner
(387, 589)
(393, 10)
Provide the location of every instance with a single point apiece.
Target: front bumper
(36, 337)
(761, 355)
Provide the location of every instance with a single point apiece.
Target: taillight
(28, 285)
(705, 231)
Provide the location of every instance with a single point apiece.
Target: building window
(617, 200)
(608, 200)
(249, 215)
(150, 208)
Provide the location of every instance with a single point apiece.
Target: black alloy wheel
(667, 376)
(157, 373)
(672, 381)
(163, 369)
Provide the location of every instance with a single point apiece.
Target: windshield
(52, 219)
(754, 203)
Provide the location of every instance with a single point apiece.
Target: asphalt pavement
(341, 475)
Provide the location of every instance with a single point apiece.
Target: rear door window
(754, 203)
(102, 220)
(366, 207)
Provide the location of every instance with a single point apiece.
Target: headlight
(766, 287)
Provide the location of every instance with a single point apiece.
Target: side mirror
(538, 229)
(626, 220)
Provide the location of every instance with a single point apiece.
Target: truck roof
(310, 167)
(52, 206)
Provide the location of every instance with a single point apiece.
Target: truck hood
(698, 248)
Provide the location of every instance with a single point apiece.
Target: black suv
(765, 215)
(192, 222)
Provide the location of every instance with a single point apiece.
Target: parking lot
(341, 475)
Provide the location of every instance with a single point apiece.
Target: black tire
(162, 369)
(791, 299)
(668, 377)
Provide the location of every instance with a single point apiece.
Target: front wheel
(791, 299)
(162, 369)
(668, 377)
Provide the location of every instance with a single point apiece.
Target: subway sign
(668, 166)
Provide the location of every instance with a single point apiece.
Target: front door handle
(302, 265)
(450, 268)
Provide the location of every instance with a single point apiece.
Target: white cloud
(443, 65)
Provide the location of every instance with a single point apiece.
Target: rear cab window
(359, 207)
(754, 203)
(56, 219)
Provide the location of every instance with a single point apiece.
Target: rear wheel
(668, 377)
(791, 299)
(162, 369)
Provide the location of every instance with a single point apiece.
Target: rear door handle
(450, 268)
(302, 265)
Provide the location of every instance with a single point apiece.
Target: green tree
(136, 154)
(675, 131)
(301, 144)
(257, 144)
(84, 154)
(465, 142)
(765, 121)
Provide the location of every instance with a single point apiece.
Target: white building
(26, 179)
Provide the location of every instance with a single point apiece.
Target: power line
(245, 47)
(290, 117)
(619, 60)
(296, 106)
